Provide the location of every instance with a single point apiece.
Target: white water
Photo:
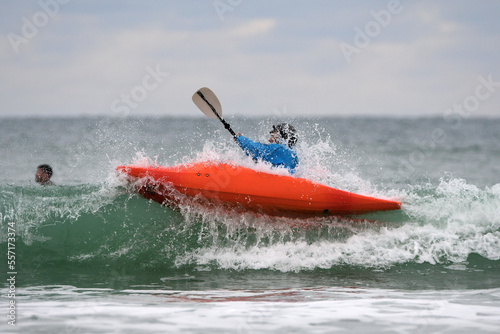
(443, 224)
(66, 309)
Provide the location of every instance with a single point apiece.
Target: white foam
(439, 224)
(446, 225)
(69, 309)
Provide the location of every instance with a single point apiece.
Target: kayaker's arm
(276, 154)
(254, 149)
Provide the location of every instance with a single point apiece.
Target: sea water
(91, 257)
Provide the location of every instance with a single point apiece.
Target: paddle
(209, 104)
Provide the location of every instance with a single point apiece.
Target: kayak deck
(246, 188)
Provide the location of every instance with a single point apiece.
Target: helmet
(288, 134)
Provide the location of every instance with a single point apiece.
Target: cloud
(254, 28)
(422, 62)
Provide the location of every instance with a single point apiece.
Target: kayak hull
(245, 188)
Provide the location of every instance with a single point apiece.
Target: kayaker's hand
(237, 135)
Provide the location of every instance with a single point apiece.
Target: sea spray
(438, 229)
(103, 223)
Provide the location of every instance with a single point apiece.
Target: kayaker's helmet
(287, 134)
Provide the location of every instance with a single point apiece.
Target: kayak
(245, 188)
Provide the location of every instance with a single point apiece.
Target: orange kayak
(248, 189)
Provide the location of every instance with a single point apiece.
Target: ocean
(88, 256)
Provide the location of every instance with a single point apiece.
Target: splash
(441, 225)
(102, 223)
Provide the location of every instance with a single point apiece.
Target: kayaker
(279, 151)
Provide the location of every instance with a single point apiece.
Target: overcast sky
(260, 57)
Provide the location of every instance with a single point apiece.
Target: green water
(89, 252)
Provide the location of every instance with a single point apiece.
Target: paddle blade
(207, 102)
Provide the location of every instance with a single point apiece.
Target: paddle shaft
(226, 124)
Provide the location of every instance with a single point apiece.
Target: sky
(294, 58)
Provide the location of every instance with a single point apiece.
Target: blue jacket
(276, 154)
